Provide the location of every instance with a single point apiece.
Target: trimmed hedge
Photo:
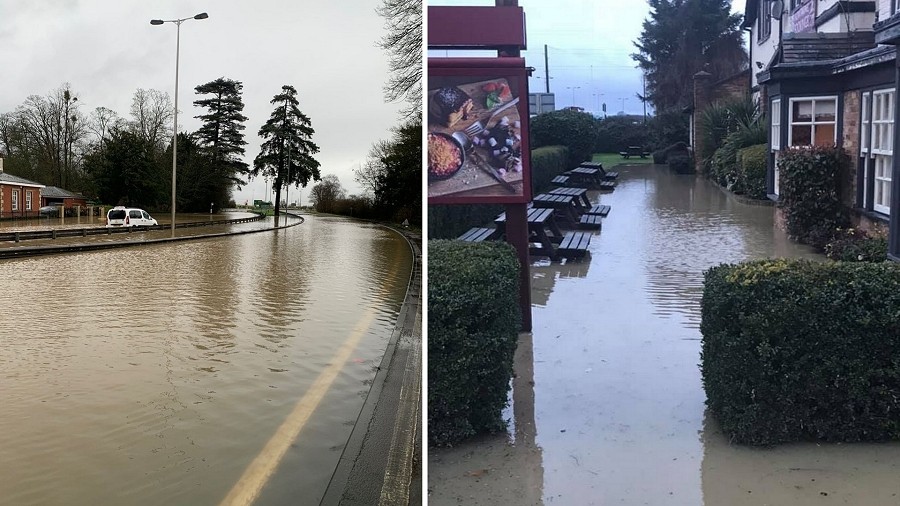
(810, 193)
(661, 156)
(800, 350)
(473, 325)
(449, 222)
(855, 245)
(680, 163)
(575, 130)
(752, 170)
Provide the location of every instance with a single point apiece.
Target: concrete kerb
(352, 481)
(69, 248)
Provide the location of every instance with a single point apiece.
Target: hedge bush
(616, 133)
(661, 156)
(752, 170)
(810, 193)
(473, 324)
(800, 350)
(575, 130)
(854, 245)
(681, 163)
(449, 222)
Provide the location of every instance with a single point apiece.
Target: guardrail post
(53, 234)
(17, 237)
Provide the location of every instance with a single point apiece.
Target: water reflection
(153, 375)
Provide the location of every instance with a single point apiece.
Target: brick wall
(850, 142)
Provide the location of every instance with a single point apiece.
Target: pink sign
(804, 18)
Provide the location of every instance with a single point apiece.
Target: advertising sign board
(478, 148)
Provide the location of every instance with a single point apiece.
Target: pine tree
(221, 135)
(683, 37)
(286, 154)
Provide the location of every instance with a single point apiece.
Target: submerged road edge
(378, 463)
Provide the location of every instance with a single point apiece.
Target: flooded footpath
(607, 402)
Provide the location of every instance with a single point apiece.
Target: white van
(121, 216)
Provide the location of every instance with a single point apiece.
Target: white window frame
(775, 140)
(882, 148)
(812, 122)
(15, 200)
(865, 131)
(28, 200)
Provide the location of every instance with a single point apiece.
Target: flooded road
(608, 404)
(157, 374)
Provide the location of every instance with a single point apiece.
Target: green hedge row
(751, 163)
(575, 130)
(800, 350)
(855, 245)
(473, 325)
(449, 222)
(810, 193)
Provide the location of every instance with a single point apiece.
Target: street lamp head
(202, 15)
(156, 21)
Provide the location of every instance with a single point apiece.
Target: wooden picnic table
(539, 221)
(563, 204)
(580, 194)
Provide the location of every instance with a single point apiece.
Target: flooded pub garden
(607, 404)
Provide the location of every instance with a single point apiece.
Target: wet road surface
(608, 405)
(163, 374)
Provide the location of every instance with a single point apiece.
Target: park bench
(479, 234)
(574, 245)
(634, 151)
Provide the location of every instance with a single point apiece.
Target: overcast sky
(589, 43)
(107, 49)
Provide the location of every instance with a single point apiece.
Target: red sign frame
(478, 184)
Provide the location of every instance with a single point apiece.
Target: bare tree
(53, 127)
(326, 193)
(371, 174)
(403, 42)
(151, 114)
(101, 122)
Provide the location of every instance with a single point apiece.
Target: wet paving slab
(608, 405)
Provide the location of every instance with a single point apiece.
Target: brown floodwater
(608, 405)
(157, 374)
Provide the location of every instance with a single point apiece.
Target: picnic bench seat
(591, 221)
(606, 174)
(479, 234)
(607, 185)
(540, 221)
(564, 205)
(574, 244)
(582, 202)
(634, 151)
(560, 180)
(600, 210)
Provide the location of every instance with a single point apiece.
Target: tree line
(127, 160)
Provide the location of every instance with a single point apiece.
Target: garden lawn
(612, 159)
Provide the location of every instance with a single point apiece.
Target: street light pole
(177, 22)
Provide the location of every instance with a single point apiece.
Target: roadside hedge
(810, 193)
(796, 350)
(546, 163)
(473, 325)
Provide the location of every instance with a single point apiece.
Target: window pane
(802, 111)
(825, 110)
(825, 134)
(801, 135)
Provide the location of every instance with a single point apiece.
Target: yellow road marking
(257, 474)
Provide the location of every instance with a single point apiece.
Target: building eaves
(6, 178)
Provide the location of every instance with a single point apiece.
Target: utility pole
(546, 68)
(644, 96)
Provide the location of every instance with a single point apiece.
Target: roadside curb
(378, 463)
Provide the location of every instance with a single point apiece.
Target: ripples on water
(153, 375)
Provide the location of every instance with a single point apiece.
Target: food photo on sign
(474, 137)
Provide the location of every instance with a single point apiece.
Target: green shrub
(575, 130)
(799, 350)
(667, 128)
(661, 156)
(681, 163)
(810, 193)
(546, 163)
(752, 163)
(449, 222)
(854, 245)
(737, 119)
(615, 133)
(473, 324)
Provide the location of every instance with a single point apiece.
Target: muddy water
(616, 411)
(155, 375)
